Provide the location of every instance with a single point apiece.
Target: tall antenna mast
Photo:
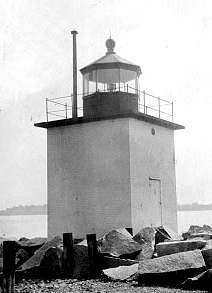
(74, 98)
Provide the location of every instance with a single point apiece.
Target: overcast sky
(170, 40)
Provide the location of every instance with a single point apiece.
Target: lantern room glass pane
(127, 75)
(114, 79)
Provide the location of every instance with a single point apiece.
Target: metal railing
(61, 107)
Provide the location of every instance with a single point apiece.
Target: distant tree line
(25, 210)
(194, 207)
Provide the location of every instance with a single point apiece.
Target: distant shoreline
(34, 210)
(194, 207)
(25, 210)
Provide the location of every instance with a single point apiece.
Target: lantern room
(112, 81)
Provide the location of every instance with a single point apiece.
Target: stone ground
(73, 285)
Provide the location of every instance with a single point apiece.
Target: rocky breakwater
(154, 256)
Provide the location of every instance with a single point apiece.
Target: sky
(170, 40)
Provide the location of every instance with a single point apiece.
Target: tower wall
(102, 104)
(88, 177)
(152, 172)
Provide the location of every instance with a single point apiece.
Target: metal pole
(74, 99)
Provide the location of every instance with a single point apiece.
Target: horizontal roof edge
(139, 116)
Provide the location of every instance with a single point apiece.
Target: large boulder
(171, 269)
(33, 265)
(21, 257)
(207, 255)
(166, 248)
(107, 262)
(121, 273)
(118, 243)
(201, 235)
(195, 229)
(51, 263)
(202, 281)
(31, 245)
(164, 233)
(146, 237)
(209, 244)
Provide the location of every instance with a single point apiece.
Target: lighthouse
(113, 165)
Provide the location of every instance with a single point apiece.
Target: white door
(155, 202)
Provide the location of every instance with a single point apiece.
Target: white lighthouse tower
(115, 165)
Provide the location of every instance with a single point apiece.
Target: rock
(146, 237)
(31, 245)
(208, 244)
(51, 263)
(21, 256)
(164, 233)
(33, 263)
(194, 229)
(122, 272)
(202, 235)
(166, 248)
(81, 261)
(147, 252)
(124, 232)
(171, 269)
(202, 281)
(207, 255)
(113, 262)
(118, 243)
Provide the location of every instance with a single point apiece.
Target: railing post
(119, 78)
(127, 88)
(9, 252)
(159, 106)
(68, 254)
(66, 110)
(144, 102)
(47, 110)
(92, 254)
(172, 112)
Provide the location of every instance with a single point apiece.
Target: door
(155, 202)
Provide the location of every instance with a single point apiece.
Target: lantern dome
(110, 73)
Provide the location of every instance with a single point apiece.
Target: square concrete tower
(115, 165)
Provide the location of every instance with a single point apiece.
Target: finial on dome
(110, 45)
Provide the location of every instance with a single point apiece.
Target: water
(23, 226)
(187, 218)
(36, 226)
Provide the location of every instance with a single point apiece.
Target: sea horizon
(29, 226)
